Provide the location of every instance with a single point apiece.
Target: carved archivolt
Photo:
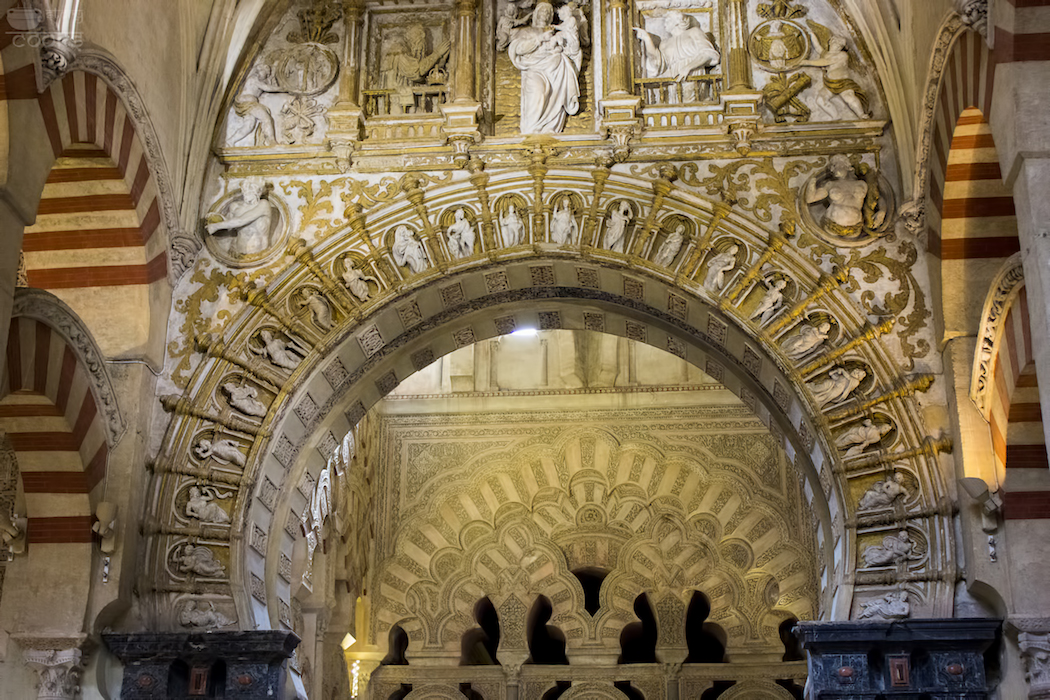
(756, 690)
(1005, 288)
(435, 692)
(592, 691)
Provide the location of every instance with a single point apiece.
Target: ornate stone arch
(435, 692)
(413, 319)
(591, 690)
(756, 690)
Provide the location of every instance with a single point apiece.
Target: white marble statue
(200, 560)
(845, 196)
(251, 217)
(244, 399)
(511, 227)
(892, 606)
(193, 614)
(616, 227)
(280, 353)
(882, 494)
(506, 24)
(771, 302)
(806, 340)
(407, 65)
(563, 223)
(717, 268)
(357, 282)
(837, 386)
(408, 250)
(893, 550)
(200, 506)
(834, 61)
(320, 312)
(255, 116)
(549, 58)
(460, 236)
(858, 438)
(685, 49)
(223, 451)
(669, 248)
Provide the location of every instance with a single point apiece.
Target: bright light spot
(525, 331)
(348, 641)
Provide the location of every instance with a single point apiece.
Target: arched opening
(546, 641)
(792, 647)
(481, 643)
(706, 640)
(591, 578)
(398, 645)
(638, 639)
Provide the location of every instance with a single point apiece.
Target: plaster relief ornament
(279, 352)
(778, 46)
(407, 66)
(512, 228)
(564, 228)
(847, 204)
(254, 115)
(683, 51)
(200, 506)
(357, 282)
(718, 267)
(616, 227)
(836, 62)
(893, 550)
(199, 560)
(549, 58)
(13, 531)
(669, 248)
(807, 339)
(771, 302)
(858, 438)
(59, 672)
(892, 606)
(223, 451)
(882, 494)
(248, 224)
(408, 250)
(461, 236)
(837, 385)
(244, 399)
(194, 614)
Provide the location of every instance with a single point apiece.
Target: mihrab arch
(409, 320)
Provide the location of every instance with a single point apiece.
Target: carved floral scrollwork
(1006, 286)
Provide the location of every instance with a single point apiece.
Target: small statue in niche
(193, 614)
(512, 228)
(223, 451)
(199, 560)
(244, 399)
(771, 302)
(836, 61)
(549, 58)
(893, 550)
(320, 312)
(837, 386)
(717, 268)
(892, 606)
(200, 506)
(460, 236)
(563, 223)
(251, 217)
(860, 437)
(407, 66)
(686, 50)
(808, 339)
(255, 116)
(357, 282)
(669, 248)
(616, 228)
(853, 204)
(279, 352)
(882, 494)
(408, 250)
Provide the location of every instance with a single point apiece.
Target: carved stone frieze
(1007, 285)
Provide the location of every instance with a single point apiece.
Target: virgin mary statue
(549, 58)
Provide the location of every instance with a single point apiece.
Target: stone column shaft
(619, 48)
(464, 44)
(739, 59)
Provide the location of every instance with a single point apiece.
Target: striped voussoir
(52, 421)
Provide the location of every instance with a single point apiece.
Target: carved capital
(59, 672)
(1035, 655)
(974, 14)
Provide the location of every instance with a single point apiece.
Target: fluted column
(344, 118)
(620, 106)
(463, 112)
(619, 49)
(739, 58)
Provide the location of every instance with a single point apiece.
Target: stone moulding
(1006, 286)
(43, 306)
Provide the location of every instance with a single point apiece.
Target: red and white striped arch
(57, 410)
